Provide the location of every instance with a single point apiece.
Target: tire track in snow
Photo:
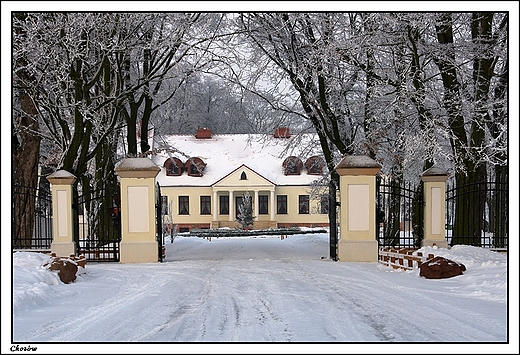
(352, 302)
(398, 318)
(183, 322)
(70, 329)
(444, 322)
(193, 318)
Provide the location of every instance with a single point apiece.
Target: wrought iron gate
(97, 229)
(333, 229)
(31, 218)
(159, 222)
(481, 217)
(399, 212)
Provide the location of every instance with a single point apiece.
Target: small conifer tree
(245, 212)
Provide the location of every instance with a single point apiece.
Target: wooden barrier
(402, 258)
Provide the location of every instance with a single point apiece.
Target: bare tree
(469, 104)
(408, 89)
(299, 46)
(163, 42)
(76, 66)
(25, 146)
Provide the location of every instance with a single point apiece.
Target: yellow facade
(196, 220)
(234, 186)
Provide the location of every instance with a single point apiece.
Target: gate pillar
(62, 225)
(357, 187)
(434, 180)
(138, 240)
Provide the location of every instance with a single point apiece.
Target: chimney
(282, 132)
(203, 133)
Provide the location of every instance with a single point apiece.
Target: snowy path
(264, 290)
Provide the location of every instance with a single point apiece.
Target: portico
(228, 192)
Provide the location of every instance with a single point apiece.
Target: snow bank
(34, 284)
(486, 270)
(31, 281)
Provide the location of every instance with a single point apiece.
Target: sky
(262, 294)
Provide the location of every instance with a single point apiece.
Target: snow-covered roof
(224, 153)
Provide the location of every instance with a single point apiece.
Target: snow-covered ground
(264, 291)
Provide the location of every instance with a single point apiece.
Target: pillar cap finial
(61, 177)
(358, 165)
(435, 174)
(137, 168)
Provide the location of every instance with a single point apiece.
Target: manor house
(203, 180)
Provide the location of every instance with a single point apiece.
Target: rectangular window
(262, 204)
(205, 205)
(324, 204)
(184, 205)
(281, 204)
(303, 204)
(224, 204)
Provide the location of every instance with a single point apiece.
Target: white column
(272, 205)
(215, 206)
(256, 204)
(231, 206)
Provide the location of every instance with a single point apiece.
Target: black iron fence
(477, 214)
(399, 217)
(98, 224)
(399, 212)
(31, 218)
(159, 222)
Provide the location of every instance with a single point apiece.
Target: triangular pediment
(243, 176)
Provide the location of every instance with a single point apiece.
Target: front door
(238, 203)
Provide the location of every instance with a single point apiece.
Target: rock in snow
(66, 268)
(441, 268)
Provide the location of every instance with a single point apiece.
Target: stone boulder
(440, 268)
(66, 268)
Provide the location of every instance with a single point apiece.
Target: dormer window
(195, 166)
(315, 165)
(173, 166)
(292, 166)
(243, 176)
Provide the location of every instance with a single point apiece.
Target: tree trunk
(25, 150)
(145, 147)
(368, 115)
